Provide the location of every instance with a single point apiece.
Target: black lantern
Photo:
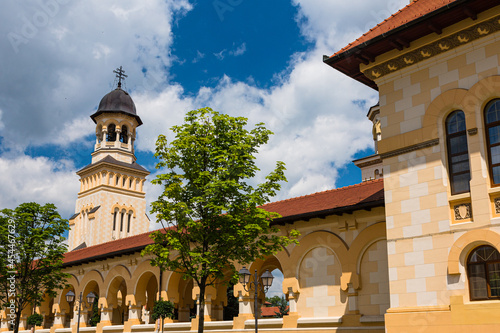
(70, 297)
(90, 298)
(267, 279)
(244, 276)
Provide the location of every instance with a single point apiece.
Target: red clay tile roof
(346, 199)
(412, 11)
(109, 249)
(365, 195)
(269, 311)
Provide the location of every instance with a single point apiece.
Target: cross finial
(120, 74)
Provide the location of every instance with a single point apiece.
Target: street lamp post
(265, 281)
(70, 297)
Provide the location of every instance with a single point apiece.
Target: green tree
(210, 213)
(275, 300)
(161, 310)
(282, 307)
(35, 319)
(31, 253)
(95, 318)
(232, 309)
(281, 303)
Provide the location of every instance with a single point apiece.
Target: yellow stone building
(412, 248)
(436, 67)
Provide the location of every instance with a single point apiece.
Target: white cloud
(199, 56)
(310, 107)
(237, 51)
(334, 24)
(74, 130)
(152, 194)
(220, 55)
(26, 179)
(64, 62)
(317, 126)
(240, 50)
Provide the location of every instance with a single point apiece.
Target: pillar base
(239, 322)
(55, 327)
(195, 321)
(127, 326)
(290, 320)
(194, 324)
(102, 324)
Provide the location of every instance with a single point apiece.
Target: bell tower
(111, 203)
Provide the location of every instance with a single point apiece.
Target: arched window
(114, 220)
(124, 134)
(111, 133)
(483, 268)
(492, 120)
(128, 223)
(121, 221)
(458, 153)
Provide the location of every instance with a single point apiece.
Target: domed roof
(117, 100)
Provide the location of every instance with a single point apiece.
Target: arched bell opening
(124, 134)
(111, 136)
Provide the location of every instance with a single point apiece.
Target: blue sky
(258, 59)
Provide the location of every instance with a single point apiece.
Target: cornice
(113, 189)
(408, 149)
(110, 167)
(433, 49)
(368, 163)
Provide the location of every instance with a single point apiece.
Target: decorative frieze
(440, 46)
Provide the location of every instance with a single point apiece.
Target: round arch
(73, 282)
(118, 270)
(445, 103)
(320, 238)
(121, 208)
(465, 243)
(363, 241)
(481, 93)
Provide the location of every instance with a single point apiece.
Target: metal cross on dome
(120, 74)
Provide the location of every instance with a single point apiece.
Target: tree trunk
(201, 319)
(17, 321)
